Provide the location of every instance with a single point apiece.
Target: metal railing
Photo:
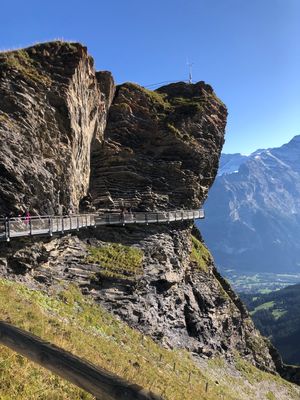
(49, 224)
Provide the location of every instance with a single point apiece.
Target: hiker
(27, 217)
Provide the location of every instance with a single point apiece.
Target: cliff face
(51, 107)
(159, 150)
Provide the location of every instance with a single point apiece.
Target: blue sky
(248, 50)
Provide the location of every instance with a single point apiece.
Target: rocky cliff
(52, 106)
(146, 150)
(161, 149)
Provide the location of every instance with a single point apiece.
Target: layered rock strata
(161, 149)
(51, 109)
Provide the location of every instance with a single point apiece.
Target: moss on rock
(117, 261)
(25, 65)
(200, 254)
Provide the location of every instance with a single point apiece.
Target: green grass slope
(74, 323)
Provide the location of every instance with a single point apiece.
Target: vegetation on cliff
(21, 61)
(68, 319)
(117, 261)
(200, 254)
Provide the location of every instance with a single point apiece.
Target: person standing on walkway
(27, 217)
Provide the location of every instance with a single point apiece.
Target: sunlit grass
(117, 261)
(75, 323)
(200, 254)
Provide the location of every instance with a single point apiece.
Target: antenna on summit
(190, 66)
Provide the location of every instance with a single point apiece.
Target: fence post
(77, 223)
(62, 225)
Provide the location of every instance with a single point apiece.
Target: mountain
(230, 163)
(276, 315)
(253, 211)
(72, 138)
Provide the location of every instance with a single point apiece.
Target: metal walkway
(49, 225)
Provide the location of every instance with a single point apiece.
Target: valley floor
(249, 282)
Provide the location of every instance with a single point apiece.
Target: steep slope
(253, 214)
(51, 108)
(175, 294)
(69, 319)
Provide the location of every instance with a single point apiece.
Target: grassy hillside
(70, 320)
(277, 316)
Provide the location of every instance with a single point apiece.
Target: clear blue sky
(248, 50)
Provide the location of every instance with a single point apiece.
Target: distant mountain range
(253, 211)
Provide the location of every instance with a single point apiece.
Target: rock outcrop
(148, 150)
(52, 107)
(161, 148)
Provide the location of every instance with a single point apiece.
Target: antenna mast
(190, 66)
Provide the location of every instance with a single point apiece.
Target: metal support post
(30, 227)
(50, 226)
(7, 230)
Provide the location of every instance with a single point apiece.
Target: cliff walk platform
(49, 225)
